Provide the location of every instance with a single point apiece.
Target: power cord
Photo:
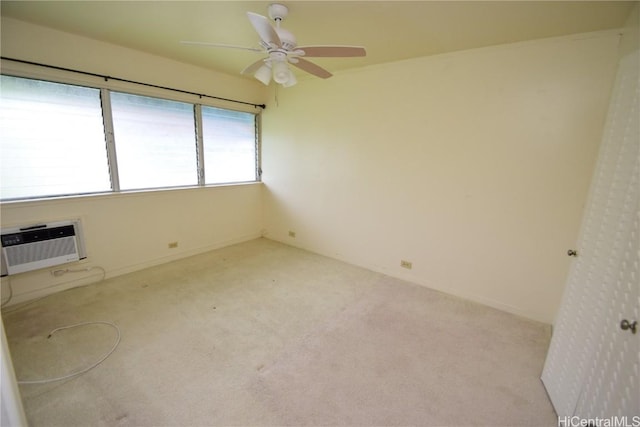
(56, 273)
(85, 370)
(61, 272)
(10, 294)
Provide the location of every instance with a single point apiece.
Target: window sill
(126, 193)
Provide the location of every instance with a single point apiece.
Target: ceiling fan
(281, 49)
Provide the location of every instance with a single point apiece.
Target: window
(52, 141)
(155, 142)
(229, 145)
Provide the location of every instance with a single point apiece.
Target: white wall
(21, 40)
(474, 166)
(126, 232)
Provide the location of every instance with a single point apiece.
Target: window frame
(105, 87)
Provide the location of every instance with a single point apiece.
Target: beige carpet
(264, 334)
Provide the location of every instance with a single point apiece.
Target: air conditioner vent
(40, 246)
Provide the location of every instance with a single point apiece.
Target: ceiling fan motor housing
(287, 38)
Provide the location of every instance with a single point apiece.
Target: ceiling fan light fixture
(292, 80)
(281, 72)
(263, 74)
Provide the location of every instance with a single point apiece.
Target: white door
(592, 365)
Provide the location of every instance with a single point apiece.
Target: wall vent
(38, 246)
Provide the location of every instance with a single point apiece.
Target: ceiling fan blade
(264, 29)
(225, 46)
(312, 68)
(253, 67)
(333, 51)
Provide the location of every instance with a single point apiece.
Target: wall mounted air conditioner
(40, 246)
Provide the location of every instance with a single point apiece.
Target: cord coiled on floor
(85, 370)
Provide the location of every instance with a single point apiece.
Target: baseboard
(184, 254)
(34, 294)
(419, 281)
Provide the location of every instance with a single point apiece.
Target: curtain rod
(106, 78)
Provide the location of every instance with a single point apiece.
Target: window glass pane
(155, 142)
(229, 139)
(51, 139)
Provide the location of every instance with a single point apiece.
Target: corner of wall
(630, 41)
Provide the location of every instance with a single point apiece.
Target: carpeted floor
(265, 334)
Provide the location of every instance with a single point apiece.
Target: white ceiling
(390, 30)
